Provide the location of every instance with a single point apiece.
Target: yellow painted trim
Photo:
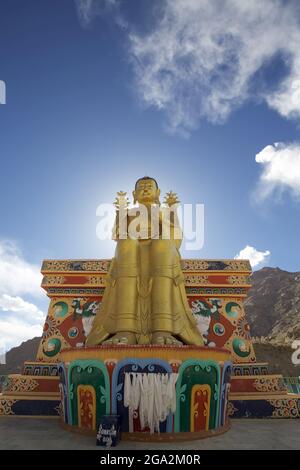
(75, 286)
(208, 285)
(251, 364)
(213, 273)
(108, 260)
(164, 353)
(221, 296)
(249, 377)
(35, 377)
(98, 286)
(36, 394)
(261, 396)
(209, 272)
(56, 295)
(38, 363)
(59, 295)
(30, 416)
(26, 397)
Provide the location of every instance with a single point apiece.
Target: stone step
(285, 406)
(31, 406)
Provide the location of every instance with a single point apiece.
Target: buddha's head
(146, 191)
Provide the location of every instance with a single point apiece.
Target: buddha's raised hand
(171, 199)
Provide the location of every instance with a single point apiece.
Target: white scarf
(154, 395)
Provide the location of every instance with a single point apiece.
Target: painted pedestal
(93, 385)
(215, 290)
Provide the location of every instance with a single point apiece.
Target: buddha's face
(146, 192)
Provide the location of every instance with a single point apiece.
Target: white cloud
(256, 258)
(13, 331)
(280, 170)
(198, 60)
(19, 319)
(17, 276)
(26, 310)
(87, 10)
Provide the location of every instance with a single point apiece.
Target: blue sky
(101, 92)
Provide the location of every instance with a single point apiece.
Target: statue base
(162, 437)
(92, 385)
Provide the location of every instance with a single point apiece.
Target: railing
(3, 379)
(292, 384)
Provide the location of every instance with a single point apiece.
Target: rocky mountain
(16, 356)
(278, 357)
(273, 305)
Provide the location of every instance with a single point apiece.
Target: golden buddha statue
(145, 300)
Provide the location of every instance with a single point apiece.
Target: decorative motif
(91, 373)
(75, 265)
(191, 373)
(97, 280)
(238, 280)
(86, 397)
(75, 291)
(231, 409)
(215, 329)
(59, 409)
(238, 265)
(51, 327)
(217, 291)
(73, 332)
(200, 406)
(81, 280)
(175, 365)
(55, 265)
(83, 308)
(225, 388)
(232, 309)
(6, 406)
(203, 312)
(195, 280)
(194, 265)
(216, 265)
(60, 309)
(53, 347)
(40, 369)
(20, 384)
(249, 369)
(49, 280)
(269, 385)
(243, 329)
(241, 347)
(102, 266)
(285, 408)
(63, 388)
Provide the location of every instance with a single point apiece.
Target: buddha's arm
(120, 226)
(175, 230)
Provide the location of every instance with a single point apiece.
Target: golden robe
(145, 293)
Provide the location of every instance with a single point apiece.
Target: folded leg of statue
(171, 319)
